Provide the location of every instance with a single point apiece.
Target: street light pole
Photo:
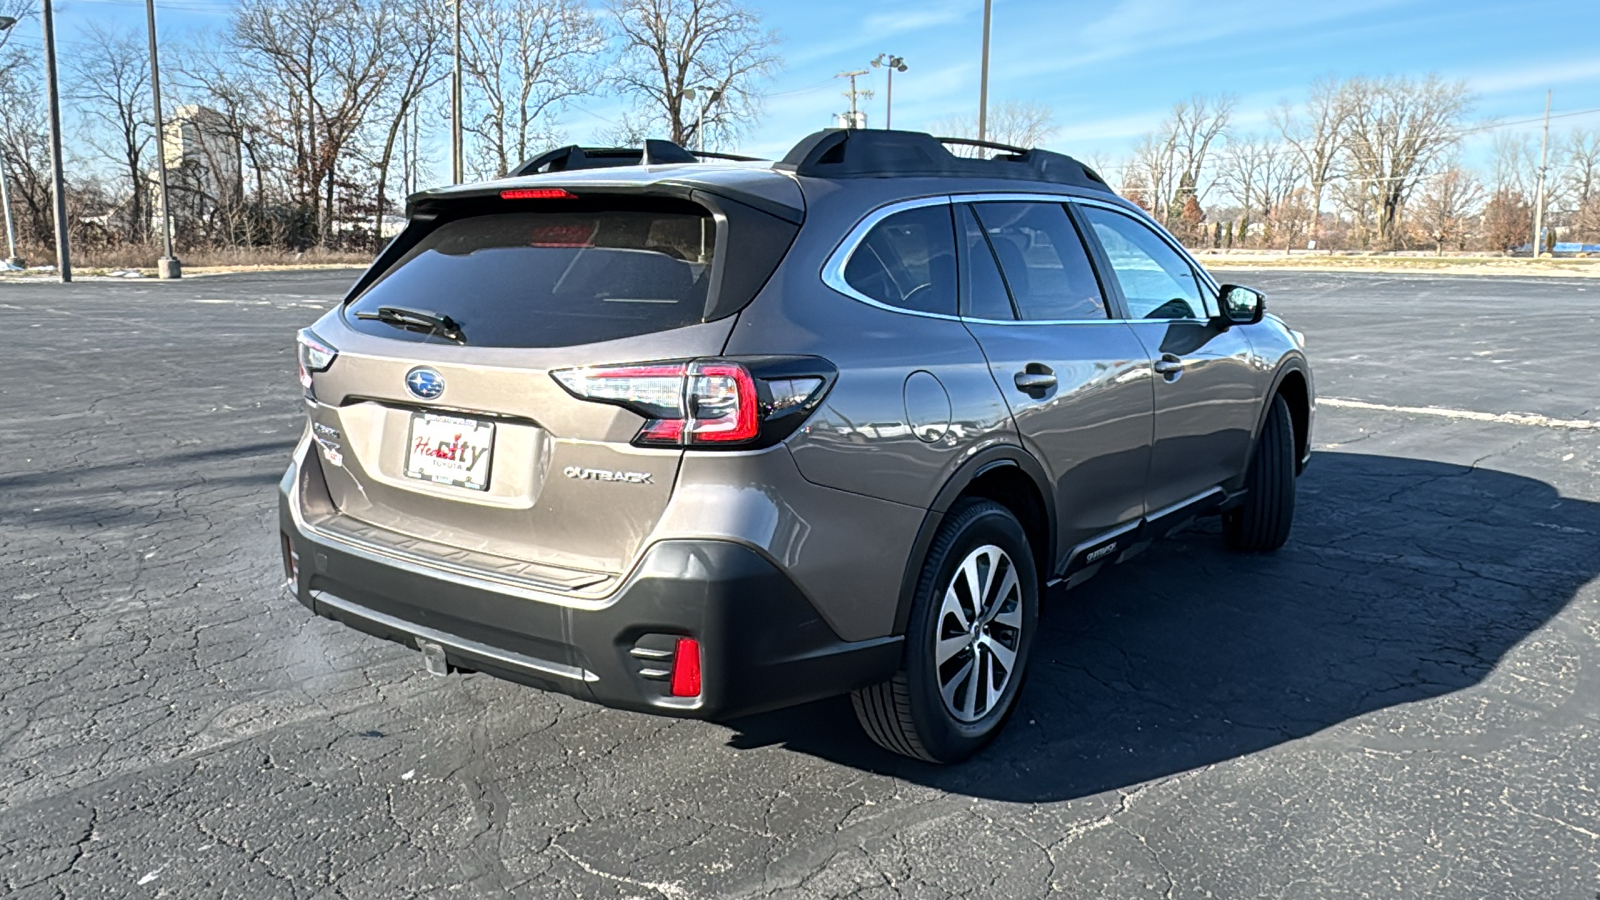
(456, 160)
(167, 266)
(894, 63)
(983, 78)
(12, 261)
(57, 179)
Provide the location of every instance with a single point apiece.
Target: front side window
(908, 261)
(1043, 260)
(1156, 282)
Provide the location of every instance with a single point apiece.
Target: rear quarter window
(552, 278)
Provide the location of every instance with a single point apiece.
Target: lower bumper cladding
(703, 629)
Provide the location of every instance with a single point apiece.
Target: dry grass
(137, 257)
(1441, 265)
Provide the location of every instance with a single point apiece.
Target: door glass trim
(833, 269)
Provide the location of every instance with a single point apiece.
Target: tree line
(301, 122)
(1361, 164)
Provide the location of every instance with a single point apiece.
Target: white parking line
(1501, 418)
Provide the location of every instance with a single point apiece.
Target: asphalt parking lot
(1404, 702)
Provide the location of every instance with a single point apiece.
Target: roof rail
(869, 153)
(653, 153)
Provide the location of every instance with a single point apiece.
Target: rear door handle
(1169, 365)
(1035, 378)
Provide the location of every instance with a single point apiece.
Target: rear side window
(1043, 260)
(908, 261)
(553, 278)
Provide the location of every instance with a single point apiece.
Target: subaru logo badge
(424, 383)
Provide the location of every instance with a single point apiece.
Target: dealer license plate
(450, 450)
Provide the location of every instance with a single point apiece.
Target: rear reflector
(686, 668)
(536, 194)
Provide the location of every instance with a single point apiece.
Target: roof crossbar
(880, 153)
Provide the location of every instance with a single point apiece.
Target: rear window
(552, 278)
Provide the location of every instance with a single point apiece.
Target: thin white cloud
(1541, 75)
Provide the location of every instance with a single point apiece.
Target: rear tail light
(711, 402)
(313, 356)
(686, 668)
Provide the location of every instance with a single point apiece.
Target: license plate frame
(434, 455)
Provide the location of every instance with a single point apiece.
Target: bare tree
(1580, 183)
(526, 58)
(715, 48)
(1316, 134)
(416, 47)
(111, 87)
(322, 65)
(1446, 207)
(1171, 162)
(1262, 175)
(1020, 124)
(24, 142)
(1398, 130)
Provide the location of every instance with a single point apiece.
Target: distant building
(204, 167)
(203, 144)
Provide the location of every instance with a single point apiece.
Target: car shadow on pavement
(1404, 580)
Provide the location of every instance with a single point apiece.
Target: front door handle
(1169, 366)
(1035, 378)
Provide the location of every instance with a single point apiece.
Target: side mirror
(1242, 305)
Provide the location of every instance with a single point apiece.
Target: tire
(1261, 523)
(980, 543)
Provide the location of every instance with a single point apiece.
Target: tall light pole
(1538, 197)
(457, 168)
(715, 97)
(12, 261)
(167, 266)
(983, 78)
(894, 64)
(57, 179)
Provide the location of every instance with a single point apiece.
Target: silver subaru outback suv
(703, 436)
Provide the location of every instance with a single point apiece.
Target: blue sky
(1110, 70)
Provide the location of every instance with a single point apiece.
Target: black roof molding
(653, 153)
(878, 153)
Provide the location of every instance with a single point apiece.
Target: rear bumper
(763, 645)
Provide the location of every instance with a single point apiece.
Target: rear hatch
(442, 433)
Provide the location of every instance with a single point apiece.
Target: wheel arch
(1293, 383)
(1009, 476)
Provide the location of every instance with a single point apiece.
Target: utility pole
(894, 64)
(983, 78)
(57, 179)
(853, 94)
(167, 266)
(1538, 197)
(457, 167)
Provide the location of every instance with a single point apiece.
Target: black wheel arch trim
(981, 463)
(1291, 364)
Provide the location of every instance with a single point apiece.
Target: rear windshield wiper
(409, 319)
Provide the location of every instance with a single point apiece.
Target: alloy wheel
(979, 633)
